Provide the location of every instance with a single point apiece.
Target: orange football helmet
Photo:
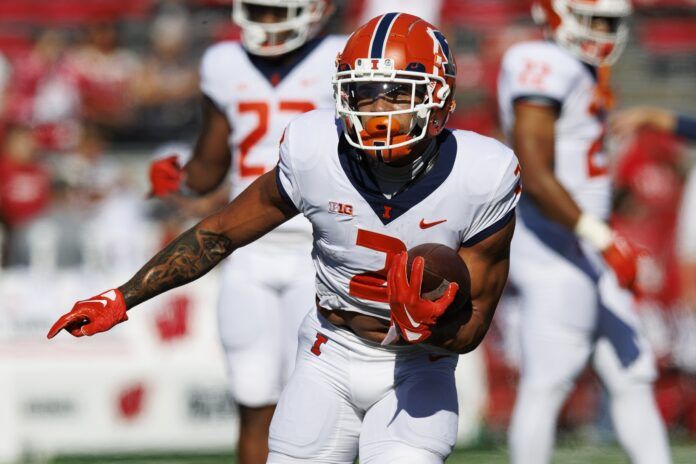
(399, 58)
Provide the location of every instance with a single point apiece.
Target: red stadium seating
(664, 36)
(13, 44)
(651, 4)
(226, 31)
(71, 11)
(482, 13)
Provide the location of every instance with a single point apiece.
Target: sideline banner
(154, 383)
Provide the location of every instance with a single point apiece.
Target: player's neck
(419, 150)
(286, 59)
(395, 177)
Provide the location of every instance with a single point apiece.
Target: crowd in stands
(80, 79)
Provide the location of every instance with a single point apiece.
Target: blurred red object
(105, 73)
(502, 387)
(668, 35)
(227, 31)
(480, 117)
(173, 320)
(71, 11)
(484, 13)
(25, 185)
(14, 44)
(649, 184)
(130, 402)
(646, 4)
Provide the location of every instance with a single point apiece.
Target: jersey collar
(275, 70)
(390, 209)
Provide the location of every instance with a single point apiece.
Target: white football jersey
(470, 192)
(544, 71)
(260, 100)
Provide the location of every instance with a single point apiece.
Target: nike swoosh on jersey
(427, 225)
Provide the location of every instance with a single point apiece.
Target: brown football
(442, 266)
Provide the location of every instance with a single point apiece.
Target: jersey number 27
(263, 111)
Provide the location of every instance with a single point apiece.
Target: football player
(251, 91)
(573, 271)
(374, 373)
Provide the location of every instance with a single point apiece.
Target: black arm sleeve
(686, 127)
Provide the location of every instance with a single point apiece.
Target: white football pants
(572, 309)
(264, 295)
(348, 396)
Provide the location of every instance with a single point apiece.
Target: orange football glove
(94, 315)
(413, 315)
(623, 258)
(165, 176)
(620, 255)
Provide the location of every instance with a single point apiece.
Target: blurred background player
(627, 123)
(25, 190)
(251, 91)
(567, 263)
(685, 242)
(655, 205)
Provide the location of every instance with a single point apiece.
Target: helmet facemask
(386, 111)
(575, 28)
(297, 22)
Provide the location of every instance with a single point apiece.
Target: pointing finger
(63, 322)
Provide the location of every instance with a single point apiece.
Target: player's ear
(329, 8)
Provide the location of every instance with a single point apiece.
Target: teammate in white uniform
(375, 364)
(252, 90)
(568, 265)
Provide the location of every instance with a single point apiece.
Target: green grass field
(683, 454)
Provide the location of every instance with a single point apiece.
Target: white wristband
(594, 230)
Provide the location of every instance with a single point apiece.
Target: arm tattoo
(188, 257)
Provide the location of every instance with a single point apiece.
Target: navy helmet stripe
(380, 35)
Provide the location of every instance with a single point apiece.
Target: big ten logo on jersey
(266, 113)
(340, 208)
